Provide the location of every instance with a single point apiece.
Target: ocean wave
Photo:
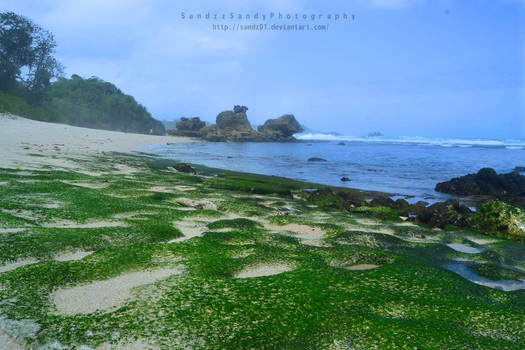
(444, 142)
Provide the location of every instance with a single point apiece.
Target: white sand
(8, 343)
(69, 256)
(20, 137)
(105, 295)
(300, 231)
(202, 204)
(263, 270)
(90, 185)
(191, 227)
(12, 230)
(74, 224)
(17, 264)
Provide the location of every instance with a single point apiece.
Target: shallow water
(470, 275)
(407, 168)
(462, 248)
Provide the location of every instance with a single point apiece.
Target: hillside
(91, 103)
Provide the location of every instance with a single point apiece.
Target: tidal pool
(467, 273)
(462, 248)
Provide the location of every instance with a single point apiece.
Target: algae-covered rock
(501, 220)
(184, 168)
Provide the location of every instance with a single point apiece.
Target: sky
(431, 68)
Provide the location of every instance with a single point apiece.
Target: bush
(500, 220)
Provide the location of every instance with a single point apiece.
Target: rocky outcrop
(282, 127)
(486, 182)
(446, 213)
(193, 124)
(234, 126)
(230, 120)
(316, 159)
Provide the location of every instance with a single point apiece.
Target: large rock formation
(193, 124)
(485, 182)
(284, 126)
(230, 120)
(234, 126)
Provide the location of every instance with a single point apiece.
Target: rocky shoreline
(234, 126)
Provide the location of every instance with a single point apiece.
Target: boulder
(184, 168)
(382, 201)
(187, 124)
(316, 159)
(485, 182)
(445, 213)
(229, 120)
(285, 126)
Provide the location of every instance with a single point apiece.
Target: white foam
(444, 142)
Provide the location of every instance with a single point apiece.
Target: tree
(26, 56)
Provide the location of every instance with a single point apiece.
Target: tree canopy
(27, 64)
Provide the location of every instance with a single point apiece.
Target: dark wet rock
(402, 204)
(445, 213)
(284, 126)
(184, 168)
(486, 182)
(340, 144)
(345, 179)
(193, 124)
(382, 201)
(420, 236)
(316, 159)
(326, 197)
(416, 209)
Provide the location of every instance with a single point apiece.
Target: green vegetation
(27, 71)
(500, 220)
(129, 223)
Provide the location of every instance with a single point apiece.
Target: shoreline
(124, 245)
(31, 144)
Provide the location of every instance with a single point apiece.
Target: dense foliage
(501, 220)
(27, 68)
(98, 104)
(27, 64)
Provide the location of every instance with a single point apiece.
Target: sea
(405, 167)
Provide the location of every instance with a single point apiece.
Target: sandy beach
(31, 144)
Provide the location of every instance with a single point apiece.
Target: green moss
(240, 224)
(408, 301)
(383, 213)
(496, 272)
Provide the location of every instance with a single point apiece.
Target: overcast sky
(450, 68)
